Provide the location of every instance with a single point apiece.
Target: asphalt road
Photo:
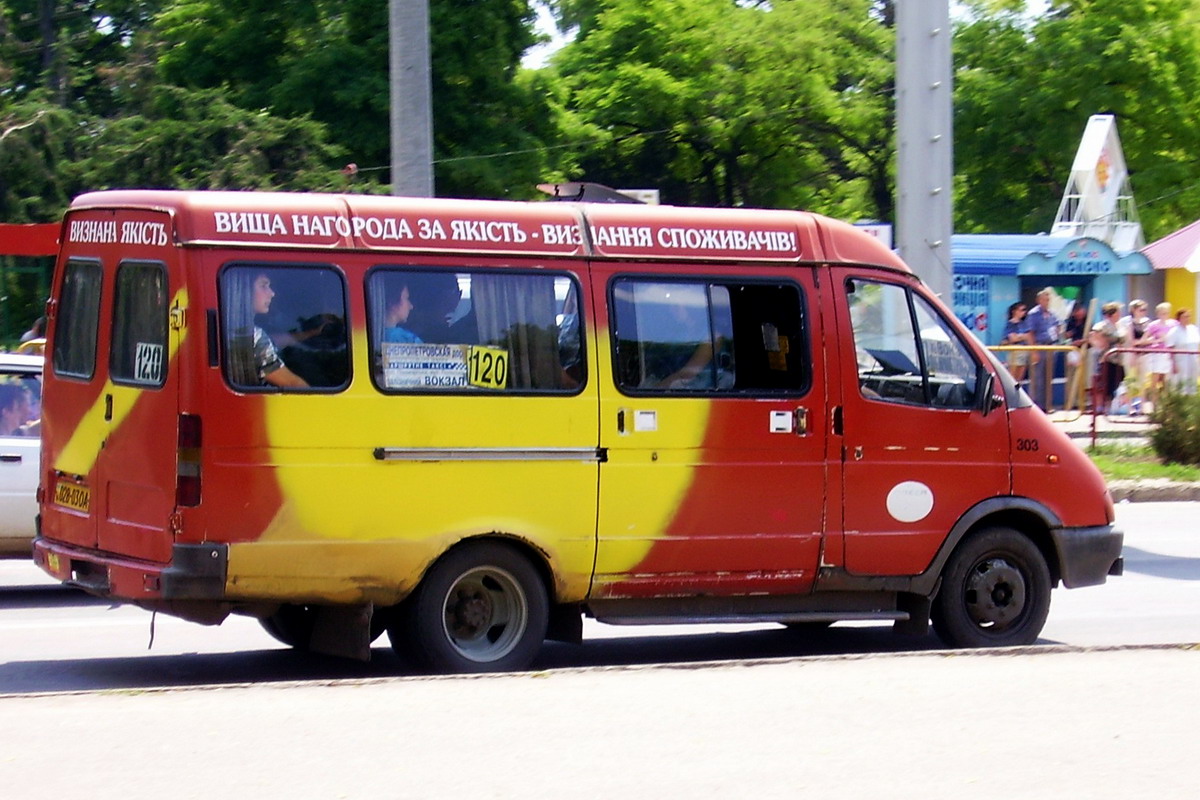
(755, 713)
(59, 640)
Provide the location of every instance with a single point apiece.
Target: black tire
(995, 591)
(481, 608)
(293, 624)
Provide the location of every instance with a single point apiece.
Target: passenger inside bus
(284, 327)
(253, 356)
(435, 316)
(570, 343)
(268, 364)
(396, 317)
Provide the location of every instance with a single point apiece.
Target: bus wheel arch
(995, 590)
(1028, 517)
(483, 606)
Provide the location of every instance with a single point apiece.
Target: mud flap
(343, 631)
(566, 624)
(917, 606)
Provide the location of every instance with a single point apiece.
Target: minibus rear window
(478, 331)
(284, 327)
(78, 317)
(709, 337)
(139, 346)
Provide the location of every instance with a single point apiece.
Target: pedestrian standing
(1157, 339)
(1017, 332)
(1046, 330)
(1186, 336)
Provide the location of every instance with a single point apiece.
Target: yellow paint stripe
(83, 448)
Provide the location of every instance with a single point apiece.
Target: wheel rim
(485, 614)
(995, 594)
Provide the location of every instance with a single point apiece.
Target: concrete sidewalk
(1044, 722)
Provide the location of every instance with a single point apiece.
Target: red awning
(29, 240)
(1178, 249)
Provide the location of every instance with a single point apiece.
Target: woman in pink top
(1157, 338)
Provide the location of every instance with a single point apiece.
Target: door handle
(108, 408)
(10, 458)
(801, 417)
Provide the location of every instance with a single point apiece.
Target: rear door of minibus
(111, 409)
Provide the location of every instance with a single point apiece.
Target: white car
(20, 450)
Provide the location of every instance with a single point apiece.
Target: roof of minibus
(596, 230)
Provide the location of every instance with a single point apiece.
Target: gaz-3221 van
(470, 424)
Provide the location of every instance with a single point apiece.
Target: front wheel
(481, 608)
(995, 591)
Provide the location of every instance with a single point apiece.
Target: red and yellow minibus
(472, 423)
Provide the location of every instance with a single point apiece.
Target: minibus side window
(906, 352)
(708, 337)
(284, 327)
(78, 317)
(138, 353)
(479, 331)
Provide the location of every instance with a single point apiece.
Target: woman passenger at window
(396, 317)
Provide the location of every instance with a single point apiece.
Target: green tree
(196, 139)
(37, 138)
(65, 49)
(723, 103)
(328, 59)
(1025, 87)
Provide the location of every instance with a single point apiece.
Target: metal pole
(925, 151)
(411, 98)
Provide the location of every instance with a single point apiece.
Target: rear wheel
(995, 591)
(481, 608)
(291, 624)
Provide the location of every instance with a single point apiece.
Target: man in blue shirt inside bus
(1045, 327)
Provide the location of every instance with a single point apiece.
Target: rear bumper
(196, 572)
(1087, 556)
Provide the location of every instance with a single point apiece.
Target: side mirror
(989, 401)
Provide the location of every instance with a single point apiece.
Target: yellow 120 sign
(487, 367)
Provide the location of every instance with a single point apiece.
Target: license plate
(72, 495)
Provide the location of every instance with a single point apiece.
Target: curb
(1150, 490)
(1157, 490)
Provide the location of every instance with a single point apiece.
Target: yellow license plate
(72, 495)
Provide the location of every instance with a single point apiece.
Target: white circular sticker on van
(910, 501)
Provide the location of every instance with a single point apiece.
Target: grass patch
(1129, 462)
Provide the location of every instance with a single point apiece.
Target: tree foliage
(1025, 88)
(328, 59)
(720, 103)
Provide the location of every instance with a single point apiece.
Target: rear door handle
(10, 458)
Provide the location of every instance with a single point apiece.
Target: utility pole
(411, 98)
(925, 146)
